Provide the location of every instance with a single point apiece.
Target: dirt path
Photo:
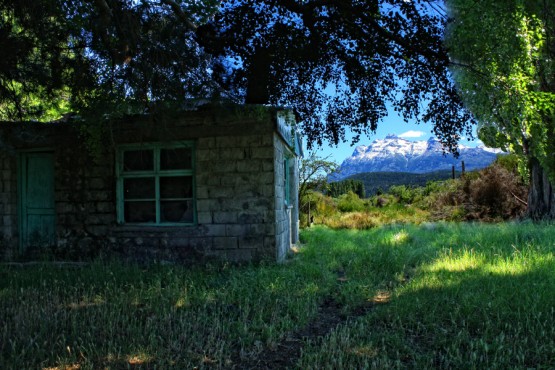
(287, 352)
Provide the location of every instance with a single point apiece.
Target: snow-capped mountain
(395, 154)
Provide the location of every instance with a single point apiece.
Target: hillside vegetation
(493, 194)
(380, 182)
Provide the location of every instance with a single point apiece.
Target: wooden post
(462, 165)
(453, 172)
(308, 218)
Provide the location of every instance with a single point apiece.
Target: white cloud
(412, 133)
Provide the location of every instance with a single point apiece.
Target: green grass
(470, 296)
(443, 296)
(109, 315)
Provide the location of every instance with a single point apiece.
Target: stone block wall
(84, 199)
(234, 191)
(8, 205)
(239, 192)
(234, 183)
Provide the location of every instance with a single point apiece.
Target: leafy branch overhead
(340, 64)
(505, 76)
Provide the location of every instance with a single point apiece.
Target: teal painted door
(38, 214)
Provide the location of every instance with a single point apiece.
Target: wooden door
(38, 214)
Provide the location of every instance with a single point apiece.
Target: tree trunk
(258, 77)
(541, 198)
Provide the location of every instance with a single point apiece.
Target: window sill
(154, 227)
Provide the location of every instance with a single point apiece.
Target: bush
(407, 194)
(496, 193)
(515, 164)
(490, 194)
(350, 202)
(445, 201)
(353, 220)
(320, 206)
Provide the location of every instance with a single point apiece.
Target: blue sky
(392, 124)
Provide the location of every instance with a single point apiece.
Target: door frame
(21, 182)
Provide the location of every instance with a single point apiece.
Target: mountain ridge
(395, 154)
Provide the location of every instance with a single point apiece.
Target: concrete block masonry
(239, 191)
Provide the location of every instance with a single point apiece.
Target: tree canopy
(503, 53)
(338, 63)
(75, 55)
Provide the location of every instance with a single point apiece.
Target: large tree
(338, 63)
(79, 56)
(503, 53)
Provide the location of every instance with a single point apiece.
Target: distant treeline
(335, 189)
(378, 182)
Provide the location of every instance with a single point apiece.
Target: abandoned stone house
(212, 182)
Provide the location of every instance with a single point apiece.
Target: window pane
(140, 212)
(176, 211)
(176, 187)
(139, 188)
(138, 160)
(176, 159)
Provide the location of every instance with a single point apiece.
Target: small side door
(38, 214)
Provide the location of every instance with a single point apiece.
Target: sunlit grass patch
(140, 358)
(462, 260)
(400, 237)
(64, 367)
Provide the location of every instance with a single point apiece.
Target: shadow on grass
(477, 317)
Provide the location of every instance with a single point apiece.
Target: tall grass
(441, 296)
(462, 296)
(110, 315)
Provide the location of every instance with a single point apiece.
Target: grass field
(429, 296)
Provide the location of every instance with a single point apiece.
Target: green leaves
(72, 55)
(503, 69)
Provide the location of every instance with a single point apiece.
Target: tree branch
(518, 199)
(295, 7)
(180, 14)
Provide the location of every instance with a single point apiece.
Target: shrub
(496, 193)
(407, 194)
(319, 205)
(515, 164)
(353, 220)
(350, 202)
(492, 193)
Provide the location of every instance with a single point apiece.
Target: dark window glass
(176, 211)
(139, 188)
(138, 160)
(176, 187)
(140, 212)
(176, 159)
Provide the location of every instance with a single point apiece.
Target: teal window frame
(156, 173)
(286, 180)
